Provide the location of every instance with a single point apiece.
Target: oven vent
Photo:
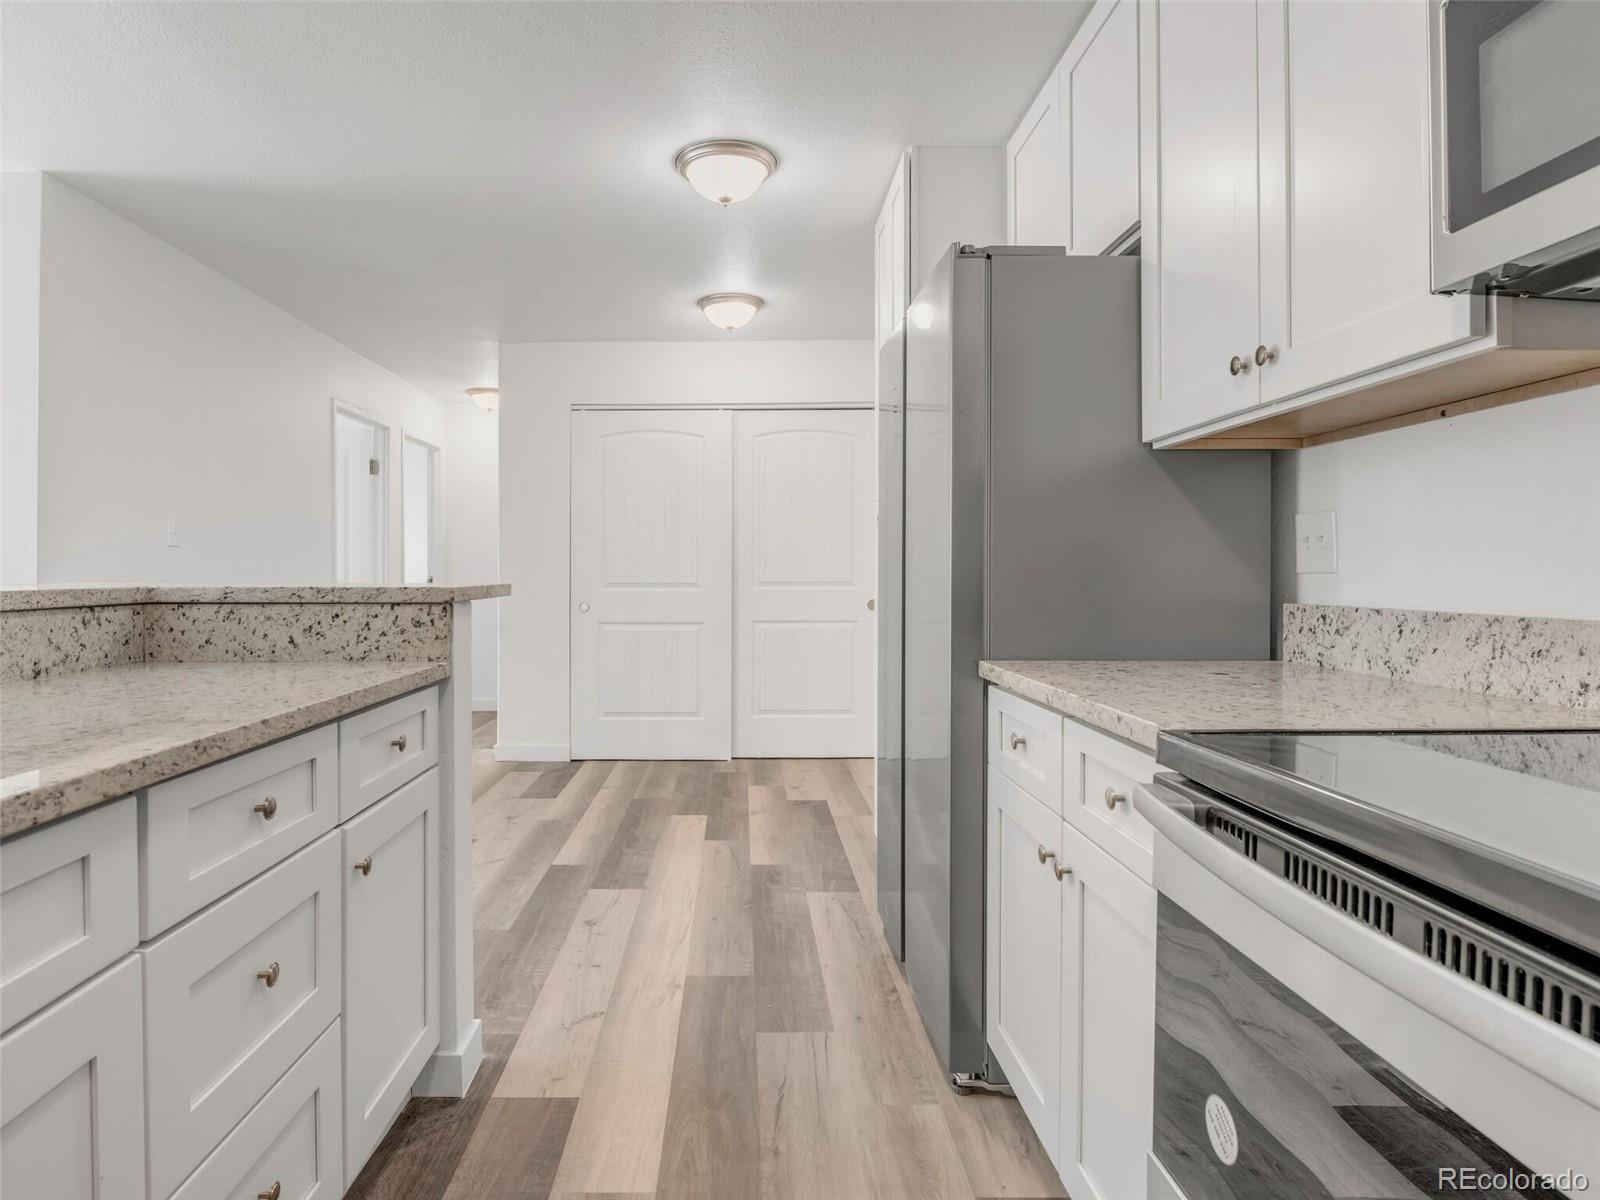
(1522, 983)
(1244, 840)
(1372, 908)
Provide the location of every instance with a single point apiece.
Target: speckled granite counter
(1135, 700)
(71, 741)
(21, 599)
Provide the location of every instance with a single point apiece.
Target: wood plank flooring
(686, 993)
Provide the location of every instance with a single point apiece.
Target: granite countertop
(1136, 700)
(72, 741)
(17, 599)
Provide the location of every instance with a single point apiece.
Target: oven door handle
(1176, 809)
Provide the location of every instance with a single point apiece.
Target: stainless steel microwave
(1516, 146)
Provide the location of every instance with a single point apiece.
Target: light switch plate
(1316, 543)
(174, 532)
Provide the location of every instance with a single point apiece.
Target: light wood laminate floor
(685, 993)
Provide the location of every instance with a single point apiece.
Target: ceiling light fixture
(487, 399)
(726, 172)
(730, 310)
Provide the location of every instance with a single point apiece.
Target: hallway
(685, 993)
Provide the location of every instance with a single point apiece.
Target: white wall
(540, 384)
(1495, 512)
(470, 483)
(168, 389)
(20, 209)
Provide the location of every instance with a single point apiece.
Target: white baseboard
(485, 704)
(558, 752)
(449, 1072)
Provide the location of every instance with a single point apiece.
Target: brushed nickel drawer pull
(269, 976)
(1114, 797)
(399, 743)
(268, 808)
(1046, 855)
(365, 865)
(1018, 742)
(272, 1193)
(1061, 872)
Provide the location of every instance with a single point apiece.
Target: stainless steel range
(1378, 965)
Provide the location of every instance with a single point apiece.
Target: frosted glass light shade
(730, 310)
(485, 398)
(726, 172)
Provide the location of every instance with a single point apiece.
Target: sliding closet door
(805, 567)
(651, 586)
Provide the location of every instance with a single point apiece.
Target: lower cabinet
(72, 1110)
(288, 1147)
(391, 950)
(1071, 991)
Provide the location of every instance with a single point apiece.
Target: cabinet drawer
(232, 997)
(72, 1108)
(1100, 776)
(291, 1141)
(1025, 745)
(68, 905)
(391, 970)
(205, 833)
(384, 747)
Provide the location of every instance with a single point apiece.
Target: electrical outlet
(1316, 543)
(174, 533)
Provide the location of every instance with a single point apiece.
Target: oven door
(1299, 1053)
(1516, 146)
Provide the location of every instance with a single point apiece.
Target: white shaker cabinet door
(1100, 128)
(1108, 972)
(652, 634)
(1035, 197)
(391, 963)
(72, 1105)
(1200, 285)
(1023, 965)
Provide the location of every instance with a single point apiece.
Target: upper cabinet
(1072, 166)
(939, 195)
(1286, 202)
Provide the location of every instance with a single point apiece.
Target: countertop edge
(27, 599)
(1138, 730)
(38, 807)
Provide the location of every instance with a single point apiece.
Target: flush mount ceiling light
(730, 310)
(487, 399)
(726, 172)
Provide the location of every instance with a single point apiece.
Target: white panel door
(1035, 213)
(652, 586)
(805, 572)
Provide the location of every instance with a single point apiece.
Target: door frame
(435, 502)
(366, 417)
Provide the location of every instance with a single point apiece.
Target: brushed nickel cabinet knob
(272, 1193)
(399, 743)
(269, 976)
(268, 808)
(1114, 797)
(1061, 872)
(365, 865)
(1264, 356)
(1018, 742)
(1046, 855)
(1237, 365)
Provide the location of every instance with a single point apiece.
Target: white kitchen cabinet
(891, 240)
(391, 949)
(1108, 957)
(1100, 128)
(72, 1109)
(1199, 275)
(381, 748)
(1023, 968)
(1035, 211)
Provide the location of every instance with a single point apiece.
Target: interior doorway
(419, 510)
(361, 500)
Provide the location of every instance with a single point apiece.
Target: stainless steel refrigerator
(1035, 525)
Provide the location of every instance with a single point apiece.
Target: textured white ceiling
(422, 181)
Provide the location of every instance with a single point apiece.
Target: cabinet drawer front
(217, 1033)
(291, 1140)
(68, 905)
(1025, 744)
(384, 747)
(72, 1109)
(1100, 776)
(205, 833)
(391, 975)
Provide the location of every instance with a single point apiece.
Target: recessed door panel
(651, 585)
